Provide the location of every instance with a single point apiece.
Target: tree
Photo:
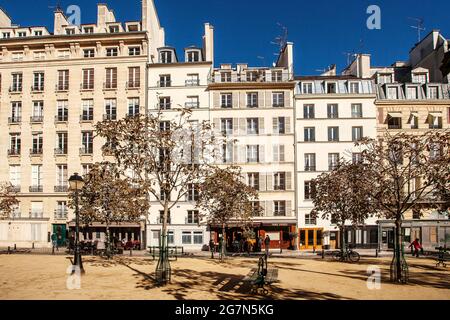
(225, 198)
(167, 157)
(109, 197)
(342, 197)
(8, 200)
(406, 172)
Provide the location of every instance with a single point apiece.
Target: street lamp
(76, 183)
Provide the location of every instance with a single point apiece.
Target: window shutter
(216, 124)
(380, 116)
(242, 100)
(235, 126)
(268, 103)
(114, 77)
(235, 154)
(269, 186)
(262, 182)
(288, 181)
(243, 153)
(275, 125)
(287, 99)
(276, 154)
(448, 115)
(269, 209)
(243, 126)
(262, 158)
(287, 124)
(262, 204)
(281, 154)
(235, 100)
(216, 100)
(260, 99)
(261, 126)
(289, 208)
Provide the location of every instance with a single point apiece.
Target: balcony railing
(16, 188)
(278, 105)
(61, 214)
(192, 105)
(109, 85)
(270, 77)
(38, 88)
(192, 83)
(61, 151)
(279, 187)
(15, 89)
(62, 87)
(36, 151)
(87, 117)
(164, 84)
(86, 151)
(279, 214)
(14, 120)
(310, 168)
(61, 189)
(36, 214)
(110, 117)
(86, 87)
(165, 106)
(160, 220)
(37, 119)
(133, 84)
(13, 152)
(36, 189)
(191, 221)
(63, 118)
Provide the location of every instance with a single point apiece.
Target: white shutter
(281, 154)
(287, 124)
(289, 208)
(216, 124)
(262, 182)
(261, 126)
(276, 154)
(235, 126)
(243, 154)
(275, 125)
(236, 154)
(262, 204)
(288, 181)
(235, 100)
(287, 99)
(243, 126)
(262, 157)
(269, 186)
(242, 100)
(216, 100)
(269, 209)
(261, 99)
(268, 103)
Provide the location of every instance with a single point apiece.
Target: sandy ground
(44, 277)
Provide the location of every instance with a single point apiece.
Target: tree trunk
(108, 241)
(163, 266)
(398, 248)
(224, 242)
(342, 236)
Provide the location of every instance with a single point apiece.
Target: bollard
(53, 250)
(376, 253)
(15, 247)
(9, 250)
(323, 253)
(32, 245)
(131, 252)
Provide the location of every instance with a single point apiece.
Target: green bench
(262, 276)
(173, 252)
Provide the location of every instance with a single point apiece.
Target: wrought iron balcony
(62, 87)
(61, 118)
(16, 188)
(61, 214)
(109, 85)
(192, 105)
(37, 88)
(36, 151)
(192, 83)
(86, 151)
(165, 106)
(310, 168)
(37, 119)
(133, 84)
(36, 189)
(15, 89)
(61, 188)
(86, 86)
(13, 120)
(164, 84)
(87, 117)
(14, 152)
(110, 117)
(61, 151)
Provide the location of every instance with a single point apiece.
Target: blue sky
(322, 30)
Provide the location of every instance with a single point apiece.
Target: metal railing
(110, 117)
(192, 83)
(133, 84)
(61, 214)
(165, 106)
(269, 76)
(165, 84)
(192, 104)
(61, 88)
(38, 88)
(87, 117)
(109, 85)
(60, 151)
(86, 151)
(36, 151)
(64, 118)
(14, 89)
(86, 87)
(13, 152)
(61, 188)
(37, 119)
(36, 188)
(14, 119)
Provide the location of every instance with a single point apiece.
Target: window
(87, 142)
(111, 78)
(333, 161)
(411, 93)
(17, 56)
(333, 134)
(63, 54)
(38, 81)
(63, 80)
(36, 176)
(278, 99)
(134, 51)
(37, 209)
(392, 93)
(161, 217)
(165, 56)
(88, 79)
(414, 120)
(192, 194)
(308, 111)
(192, 80)
(331, 87)
(164, 103)
(227, 126)
(279, 208)
(253, 180)
(252, 100)
(433, 93)
(89, 53)
(394, 122)
(435, 121)
(88, 29)
(61, 176)
(39, 55)
(164, 126)
(192, 217)
(333, 111)
(16, 82)
(310, 162)
(86, 169)
(112, 52)
(252, 154)
(186, 237)
(356, 157)
(192, 102)
(225, 76)
(15, 176)
(419, 78)
(251, 76)
(110, 109)
(354, 87)
(62, 110)
(133, 106)
(357, 133)
(36, 143)
(227, 153)
(278, 153)
(277, 76)
(16, 112)
(357, 110)
(134, 77)
(252, 126)
(310, 134)
(279, 125)
(309, 190)
(226, 100)
(170, 237)
(38, 111)
(279, 181)
(6, 35)
(61, 143)
(310, 220)
(61, 210)
(15, 144)
(37, 33)
(307, 88)
(164, 80)
(198, 237)
(384, 78)
(113, 29)
(193, 56)
(87, 110)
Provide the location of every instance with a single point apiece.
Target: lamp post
(76, 184)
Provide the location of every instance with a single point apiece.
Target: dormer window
(21, 34)
(384, 78)
(88, 30)
(70, 31)
(392, 93)
(225, 77)
(252, 76)
(133, 27)
(307, 88)
(166, 56)
(38, 33)
(193, 56)
(277, 76)
(113, 29)
(134, 51)
(89, 53)
(6, 35)
(411, 93)
(419, 78)
(112, 52)
(331, 87)
(353, 87)
(433, 92)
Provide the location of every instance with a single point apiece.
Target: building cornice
(411, 102)
(251, 85)
(334, 96)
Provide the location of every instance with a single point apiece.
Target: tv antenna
(57, 6)
(349, 55)
(263, 60)
(281, 40)
(419, 26)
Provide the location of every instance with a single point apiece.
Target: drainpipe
(294, 124)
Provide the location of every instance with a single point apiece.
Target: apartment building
(54, 87)
(177, 83)
(332, 112)
(254, 107)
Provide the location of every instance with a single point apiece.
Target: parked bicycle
(348, 255)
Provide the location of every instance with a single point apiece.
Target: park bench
(173, 252)
(442, 256)
(262, 276)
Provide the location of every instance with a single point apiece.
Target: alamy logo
(74, 15)
(73, 281)
(374, 20)
(374, 279)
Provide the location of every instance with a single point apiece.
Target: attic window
(165, 56)
(134, 51)
(88, 29)
(21, 34)
(331, 87)
(6, 35)
(193, 56)
(252, 76)
(133, 27)
(114, 29)
(70, 31)
(38, 33)
(384, 78)
(419, 78)
(112, 52)
(353, 87)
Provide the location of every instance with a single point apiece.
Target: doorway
(311, 239)
(60, 230)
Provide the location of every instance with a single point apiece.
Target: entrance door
(310, 239)
(60, 230)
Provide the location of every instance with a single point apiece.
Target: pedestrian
(267, 244)
(260, 242)
(211, 248)
(416, 246)
(55, 241)
(249, 246)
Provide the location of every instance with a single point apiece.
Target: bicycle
(347, 255)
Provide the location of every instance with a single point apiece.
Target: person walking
(267, 244)
(211, 248)
(416, 246)
(55, 242)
